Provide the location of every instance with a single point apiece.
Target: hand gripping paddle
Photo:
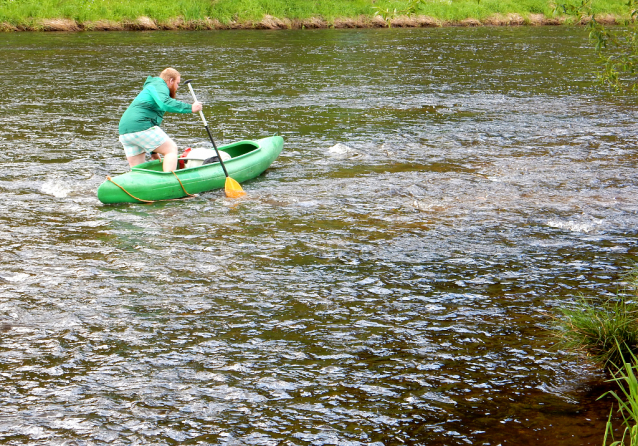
(232, 187)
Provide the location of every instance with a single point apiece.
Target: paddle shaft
(201, 115)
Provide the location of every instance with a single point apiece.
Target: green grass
(458, 10)
(606, 332)
(603, 330)
(627, 399)
(241, 10)
(22, 12)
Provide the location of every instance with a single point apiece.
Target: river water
(391, 279)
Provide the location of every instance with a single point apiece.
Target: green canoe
(146, 182)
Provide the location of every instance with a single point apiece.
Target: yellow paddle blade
(233, 189)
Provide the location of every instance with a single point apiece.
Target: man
(139, 126)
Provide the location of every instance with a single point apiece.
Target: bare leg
(169, 150)
(136, 159)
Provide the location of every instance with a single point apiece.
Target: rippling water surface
(389, 280)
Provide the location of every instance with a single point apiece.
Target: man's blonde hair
(169, 73)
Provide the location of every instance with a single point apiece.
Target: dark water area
(391, 279)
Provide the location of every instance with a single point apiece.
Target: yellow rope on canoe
(180, 183)
(128, 193)
(150, 201)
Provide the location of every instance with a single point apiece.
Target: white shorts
(143, 142)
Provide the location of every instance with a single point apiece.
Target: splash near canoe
(147, 183)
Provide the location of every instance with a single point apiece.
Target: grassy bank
(27, 15)
(605, 332)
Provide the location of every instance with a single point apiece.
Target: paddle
(232, 187)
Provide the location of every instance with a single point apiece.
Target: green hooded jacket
(148, 108)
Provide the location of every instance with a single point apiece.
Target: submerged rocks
(341, 150)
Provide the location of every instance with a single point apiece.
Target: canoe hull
(146, 182)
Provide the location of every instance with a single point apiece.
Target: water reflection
(388, 280)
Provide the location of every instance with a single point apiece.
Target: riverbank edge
(273, 23)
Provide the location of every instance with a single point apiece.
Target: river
(391, 279)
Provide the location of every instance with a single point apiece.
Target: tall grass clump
(604, 330)
(627, 399)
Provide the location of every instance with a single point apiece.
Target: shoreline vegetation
(604, 332)
(145, 23)
(151, 15)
